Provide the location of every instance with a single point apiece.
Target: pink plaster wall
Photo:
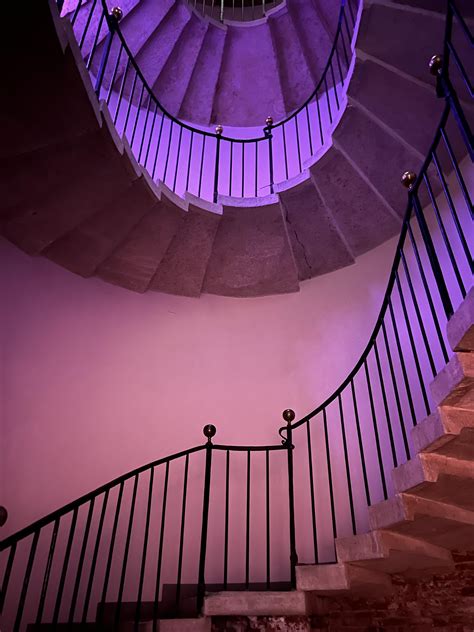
(99, 380)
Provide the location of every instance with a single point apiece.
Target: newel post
(289, 417)
(209, 431)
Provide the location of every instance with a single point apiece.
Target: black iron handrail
(238, 10)
(304, 128)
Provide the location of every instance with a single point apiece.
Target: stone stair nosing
(197, 104)
(255, 603)
(340, 578)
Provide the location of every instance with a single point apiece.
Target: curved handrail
(256, 10)
(308, 127)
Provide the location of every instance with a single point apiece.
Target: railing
(349, 444)
(234, 10)
(188, 159)
(149, 543)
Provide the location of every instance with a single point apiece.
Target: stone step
(201, 624)
(460, 329)
(255, 603)
(348, 196)
(251, 255)
(443, 524)
(84, 248)
(312, 34)
(454, 384)
(448, 431)
(437, 477)
(317, 244)
(387, 552)
(340, 578)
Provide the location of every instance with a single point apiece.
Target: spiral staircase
(73, 191)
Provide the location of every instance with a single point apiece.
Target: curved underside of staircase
(73, 192)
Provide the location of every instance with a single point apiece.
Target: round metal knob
(436, 64)
(117, 13)
(3, 516)
(269, 121)
(408, 179)
(209, 431)
(289, 415)
(219, 129)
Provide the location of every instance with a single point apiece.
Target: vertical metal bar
(433, 258)
(87, 24)
(256, 168)
(134, 83)
(385, 405)
(413, 345)
(160, 549)
(26, 581)
(144, 129)
(137, 115)
(181, 534)
(327, 99)
(457, 171)
(347, 464)
(270, 161)
(319, 119)
(94, 558)
(62, 580)
(216, 169)
(103, 63)
(395, 390)
(94, 45)
(178, 152)
(205, 520)
(267, 515)
(376, 431)
(226, 522)
(243, 168)
(284, 150)
(151, 136)
(76, 12)
(145, 548)
(189, 159)
(81, 561)
(310, 133)
(334, 84)
(311, 489)
(158, 146)
(361, 444)
(247, 526)
(230, 166)
(202, 163)
(6, 576)
(328, 459)
(125, 554)
(291, 505)
(122, 87)
(111, 549)
(114, 75)
(168, 151)
(298, 142)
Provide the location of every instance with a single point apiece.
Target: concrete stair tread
(448, 431)
(445, 525)
(340, 578)
(453, 386)
(134, 263)
(182, 269)
(347, 195)
(388, 552)
(437, 477)
(255, 603)
(317, 244)
(86, 246)
(361, 139)
(460, 328)
(251, 255)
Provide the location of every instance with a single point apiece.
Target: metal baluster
(177, 157)
(209, 432)
(284, 149)
(311, 489)
(76, 12)
(103, 63)
(158, 146)
(428, 294)
(327, 99)
(361, 445)
(457, 171)
(202, 163)
(62, 580)
(144, 130)
(376, 430)
(144, 551)
(6, 576)
(230, 166)
(310, 133)
(87, 24)
(343, 42)
(226, 523)
(402, 363)
(26, 581)
(243, 167)
(216, 166)
(338, 59)
(334, 84)
(446, 241)
(170, 137)
(328, 459)
(122, 87)
(413, 346)
(181, 535)
(385, 405)
(81, 561)
(111, 550)
(267, 514)
(247, 526)
(256, 168)
(94, 558)
(289, 416)
(298, 142)
(349, 4)
(151, 136)
(418, 313)
(189, 159)
(395, 390)
(160, 549)
(319, 119)
(453, 211)
(94, 45)
(347, 464)
(130, 102)
(125, 554)
(114, 76)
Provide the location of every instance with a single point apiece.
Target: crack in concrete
(310, 268)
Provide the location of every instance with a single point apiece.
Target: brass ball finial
(219, 129)
(408, 179)
(269, 121)
(289, 415)
(435, 65)
(117, 13)
(209, 431)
